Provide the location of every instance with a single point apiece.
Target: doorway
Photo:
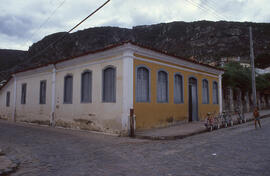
(193, 99)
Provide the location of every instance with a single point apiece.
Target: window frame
(115, 83)
(149, 84)
(64, 100)
(91, 86)
(207, 96)
(167, 76)
(174, 88)
(40, 92)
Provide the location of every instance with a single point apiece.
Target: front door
(193, 100)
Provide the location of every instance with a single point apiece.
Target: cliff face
(206, 41)
(9, 60)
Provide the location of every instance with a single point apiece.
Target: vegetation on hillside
(237, 76)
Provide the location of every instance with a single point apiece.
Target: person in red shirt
(256, 115)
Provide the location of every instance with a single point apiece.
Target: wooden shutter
(109, 85)
(86, 91)
(205, 92)
(8, 99)
(68, 86)
(142, 87)
(42, 92)
(162, 92)
(178, 89)
(23, 94)
(215, 93)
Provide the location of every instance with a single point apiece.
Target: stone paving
(6, 165)
(237, 151)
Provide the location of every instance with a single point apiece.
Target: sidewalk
(186, 129)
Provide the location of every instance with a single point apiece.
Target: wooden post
(131, 120)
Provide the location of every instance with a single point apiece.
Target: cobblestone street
(239, 150)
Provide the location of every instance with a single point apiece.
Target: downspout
(220, 93)
(52, 118)
(14, 99)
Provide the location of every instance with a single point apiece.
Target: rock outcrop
(204, 40)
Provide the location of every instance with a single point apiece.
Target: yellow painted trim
(173, 64)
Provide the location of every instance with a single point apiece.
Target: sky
(24, 22)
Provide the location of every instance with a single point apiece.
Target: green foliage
(263, 82)
(237, 76)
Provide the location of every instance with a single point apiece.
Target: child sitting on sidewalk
(256, 115)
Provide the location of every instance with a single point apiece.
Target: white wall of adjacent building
(97, 115)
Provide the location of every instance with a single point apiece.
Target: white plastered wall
(6, 112)
(99, 116)
(33, 110)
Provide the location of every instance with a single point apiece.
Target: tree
(237, 76)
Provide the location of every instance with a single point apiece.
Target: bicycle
(241, 117)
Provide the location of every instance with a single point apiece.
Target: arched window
(109, 85)
(23, 95)
(142, 85)
(178, 89)
(215, 92)
(68, 86)
(42, 92)
(86, 87)
(8, 99)
(205, 92)
(162, 87)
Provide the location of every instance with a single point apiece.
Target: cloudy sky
(23, 22)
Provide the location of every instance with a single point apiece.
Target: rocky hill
(9, 60)
(206, 41)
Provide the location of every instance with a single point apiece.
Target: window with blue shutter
(142, 85)
(162, 87)
(109, 85)
(68, 86)
(42, 92)
(205, 92)
(178, 89)
(86, 87)
(215, 92)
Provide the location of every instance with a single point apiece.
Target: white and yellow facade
(111, 117)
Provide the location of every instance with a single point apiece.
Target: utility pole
(253, 69)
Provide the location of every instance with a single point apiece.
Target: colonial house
(96, 91)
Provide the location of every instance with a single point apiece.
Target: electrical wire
(207, 9)
(210, 4)
(48, 18)
(64, 35)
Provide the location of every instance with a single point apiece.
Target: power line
(64, 35)
(48, 18)
(213, 11)
(201, 8)
(211, 5)
(207, 9)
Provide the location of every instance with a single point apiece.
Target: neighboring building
(262, 71)
(96, 91)
(244, 64)
(225, 60)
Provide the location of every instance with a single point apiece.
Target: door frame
(197, 100)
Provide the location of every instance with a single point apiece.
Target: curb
(175, 137)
